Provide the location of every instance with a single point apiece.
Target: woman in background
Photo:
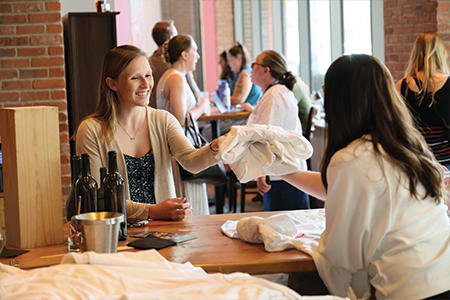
(175, 96)
(386, 221)
(226, 73)
(278, 107)
(426, 87)
(145, 139)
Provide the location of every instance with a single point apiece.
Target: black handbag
(216, 174)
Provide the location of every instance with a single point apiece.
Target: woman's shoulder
(90, 123)
(357, 150)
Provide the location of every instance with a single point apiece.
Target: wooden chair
(234, 185)
(310, 129)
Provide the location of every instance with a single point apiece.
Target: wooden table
(214, 118)
(212, 250)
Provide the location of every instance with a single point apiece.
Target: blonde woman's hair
(115, 61)
(428, 55)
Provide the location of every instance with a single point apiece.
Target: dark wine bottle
(71, 204)
(114, 193)
(86, 188)
(100, 197)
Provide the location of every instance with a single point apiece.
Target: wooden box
(32, 176)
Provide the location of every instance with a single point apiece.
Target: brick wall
(404, 21)
(32, 64)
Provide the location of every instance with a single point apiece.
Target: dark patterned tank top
(429, 119)
(141, 177)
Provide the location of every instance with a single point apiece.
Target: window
(357, 28)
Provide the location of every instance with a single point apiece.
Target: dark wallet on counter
(151, 242)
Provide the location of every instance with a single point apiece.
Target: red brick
(407, 10)
(30, 29)
(63, 117)
(66, 180)
(7, 30)
(45, 18)
(64, 137)
(16, 19)
(30, 96)
(15, 63)
(58, 95)
(65, 192)
(398, 29)
(443, 17)
(62, 105)
(16, 85)
(388, 31)
(46, 40)
(47, 62)
(32, 51)
(33, 73)
(52, 28)
(56, 50)
(65, 159)
(443, 7)
(393, 57)
(8, 96)
(64, 127)
(57, 72)
(49, 83)
(6, 8)
(65, 169)
(408, 29)
(443, 27)
(398, 48)
(7, 52)
(8, 74)
(29, 7)
(53, 6)
(14, 41)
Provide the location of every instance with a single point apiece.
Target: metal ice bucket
(98, 231)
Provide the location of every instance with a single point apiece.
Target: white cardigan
(168, 140)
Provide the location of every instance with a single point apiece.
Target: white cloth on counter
(257, 150)
(133, 275)
(295, 229)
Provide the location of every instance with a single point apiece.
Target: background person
(175, 96)
(162, 32)
(386, 221)
(278, 107)
(145, 139)
(429, 100)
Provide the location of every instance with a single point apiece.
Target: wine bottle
(114, 193)
(71, 204)
(100, 197)
(86, 188)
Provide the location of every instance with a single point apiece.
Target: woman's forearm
(307, 181)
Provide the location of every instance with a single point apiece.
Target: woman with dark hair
(175, 96)
(242, 89)
(426, 87)
(226, 73)
(278, 107)
(386, 221)
(145, 138)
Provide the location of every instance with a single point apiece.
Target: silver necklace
(132, 137)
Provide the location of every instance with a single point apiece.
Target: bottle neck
(112, 162)
(86, 166)
(76, 169)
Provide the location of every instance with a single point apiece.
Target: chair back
(310, 128)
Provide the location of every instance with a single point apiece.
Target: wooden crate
(32, 176)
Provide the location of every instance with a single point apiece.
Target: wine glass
(2, 240)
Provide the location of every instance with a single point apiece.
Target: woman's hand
(171, 209)
(262, 185)
(246, 107)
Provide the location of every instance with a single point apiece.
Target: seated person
(386, 221)
(241, 88)
(145, 139)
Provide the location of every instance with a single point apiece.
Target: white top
(278, 107)
(376, 232)
(168, 140)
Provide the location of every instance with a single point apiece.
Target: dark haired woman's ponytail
(288, 79)
(165, 51)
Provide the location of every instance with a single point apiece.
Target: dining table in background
(210, 250)
(214, 118)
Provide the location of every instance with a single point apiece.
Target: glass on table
(205, 94)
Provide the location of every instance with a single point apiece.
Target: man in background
(162, 32)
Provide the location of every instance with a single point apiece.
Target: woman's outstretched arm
(307, 181)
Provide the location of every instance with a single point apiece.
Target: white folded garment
(297, 229)
(257, 150)
(133, 275)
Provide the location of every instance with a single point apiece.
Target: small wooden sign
(32, 176)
